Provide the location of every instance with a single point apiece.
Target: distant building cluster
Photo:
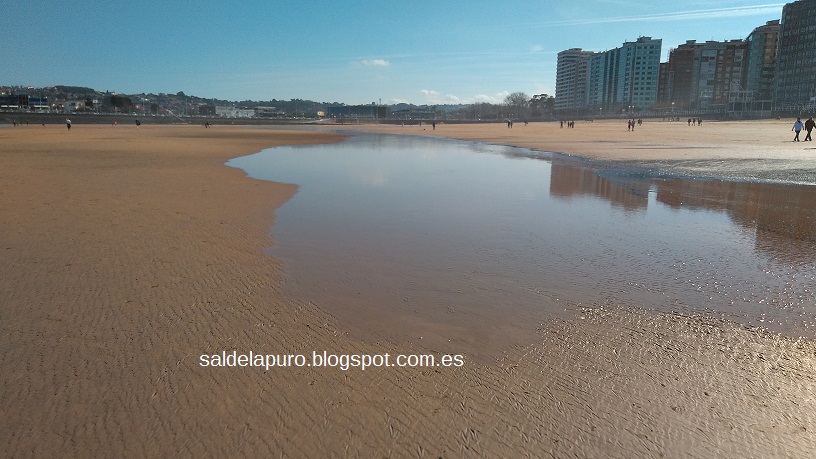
(62, 101)
(773, 69)
(17, 101)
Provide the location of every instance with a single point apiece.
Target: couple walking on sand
(808, 126)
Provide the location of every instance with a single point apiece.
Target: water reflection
(782, 216)
(569, 179)
(464, 244)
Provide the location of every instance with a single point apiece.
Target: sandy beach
(653, 140)
(130, 253)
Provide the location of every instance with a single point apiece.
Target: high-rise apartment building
(676, 77)
(664, 85)
(704, 76)
(796, 62)
(637, 75)
(729, 79)
(717, 72)
(621, 79)
(600, 86)
(763, 43)
(571, 80)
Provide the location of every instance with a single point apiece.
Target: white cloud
(375, 63)
(432, 97)
(497, 98)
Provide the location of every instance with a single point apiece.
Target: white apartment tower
(571, 80)
(623, 79)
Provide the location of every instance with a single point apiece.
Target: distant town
(78, 100)
(772, 72)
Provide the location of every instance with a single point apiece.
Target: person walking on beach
(809, 125)
(68, 123)
(797, 128)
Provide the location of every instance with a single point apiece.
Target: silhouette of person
(809, 125)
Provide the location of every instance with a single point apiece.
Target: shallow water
(460, 245)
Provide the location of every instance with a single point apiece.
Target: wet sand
(129, 253)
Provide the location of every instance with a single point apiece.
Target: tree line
(517, 105)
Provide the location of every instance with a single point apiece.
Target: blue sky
(434, 52)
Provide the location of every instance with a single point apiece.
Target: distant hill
(75, 89)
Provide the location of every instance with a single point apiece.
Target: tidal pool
(461, 245)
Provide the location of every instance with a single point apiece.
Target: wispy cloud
(375, 63)
(715, 13)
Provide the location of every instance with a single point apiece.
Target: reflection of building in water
(782, 216)
(567, 180)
